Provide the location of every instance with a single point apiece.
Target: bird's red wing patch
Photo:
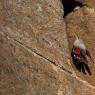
(77, 50)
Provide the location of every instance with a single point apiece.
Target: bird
(79, 55)
(79, 51)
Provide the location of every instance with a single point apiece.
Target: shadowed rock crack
(69, 5)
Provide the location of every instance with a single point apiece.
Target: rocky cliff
(36, 37)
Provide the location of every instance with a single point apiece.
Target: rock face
(34, 48)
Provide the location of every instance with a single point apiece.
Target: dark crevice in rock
(69, 5)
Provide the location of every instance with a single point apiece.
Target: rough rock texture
(34, 49)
